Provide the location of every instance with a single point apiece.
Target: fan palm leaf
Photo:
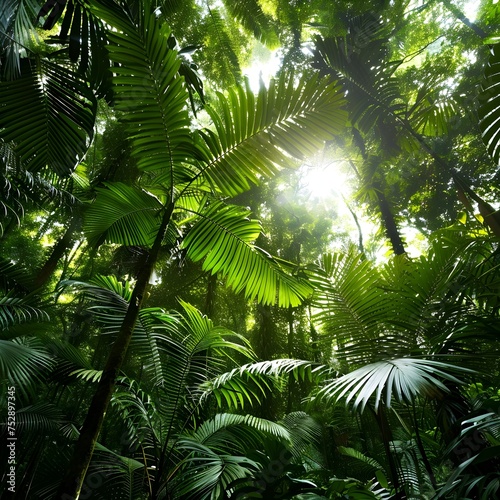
(402, 379)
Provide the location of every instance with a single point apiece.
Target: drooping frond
(24, 363)
(16, 310)
(149, 92)
(16, 32)
(84, 37)
(223, 236)
(40, 417)
(209, 473)
(123, 214)
(489, 112)
(227, 432)
(250, 382)
(256, 135)
(47, 114)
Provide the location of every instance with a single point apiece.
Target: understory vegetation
(249, 249)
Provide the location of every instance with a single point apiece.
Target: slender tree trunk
(387, 438)
(465, 20)
(290, 341)
(58, 250)
(391, 228)
(72, 483)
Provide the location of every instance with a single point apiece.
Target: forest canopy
(249, 249)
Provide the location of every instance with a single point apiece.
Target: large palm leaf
(255, 135)
(402, 379)
(16, 34)
(223, 236)
(352, 306)
(48, 115)
(489, 112)
(123, 214)
(150, 92)
(249, 383)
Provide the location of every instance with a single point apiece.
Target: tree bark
(71, 485)
(391, 228)
(58, 250)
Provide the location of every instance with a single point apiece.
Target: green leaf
(489, 111)
(403, 379)
(48, 114)
(123, 214)
(150, 93)
(256, 136)
(223, 236)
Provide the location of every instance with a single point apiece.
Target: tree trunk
(391, 228)
(58, 250)
(72, 483)
(465, 20)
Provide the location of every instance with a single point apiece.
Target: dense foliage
(182, 316)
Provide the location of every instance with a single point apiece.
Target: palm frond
(352, 306)
(431, 115)
(48, 114)
(84, 38)
(208, 474)
(304, 432)
(215, 432)
(39, 417)
(149, 91)
(16, 310)
(373, 94)
(489, 112)
(116, 476)
(223, 236)
(255, 136)
(220, 38)
(402, 379)
(17, 30)
(370, 463)
(24, 363)
(123, 214)
(251, 16)
(249, 383)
